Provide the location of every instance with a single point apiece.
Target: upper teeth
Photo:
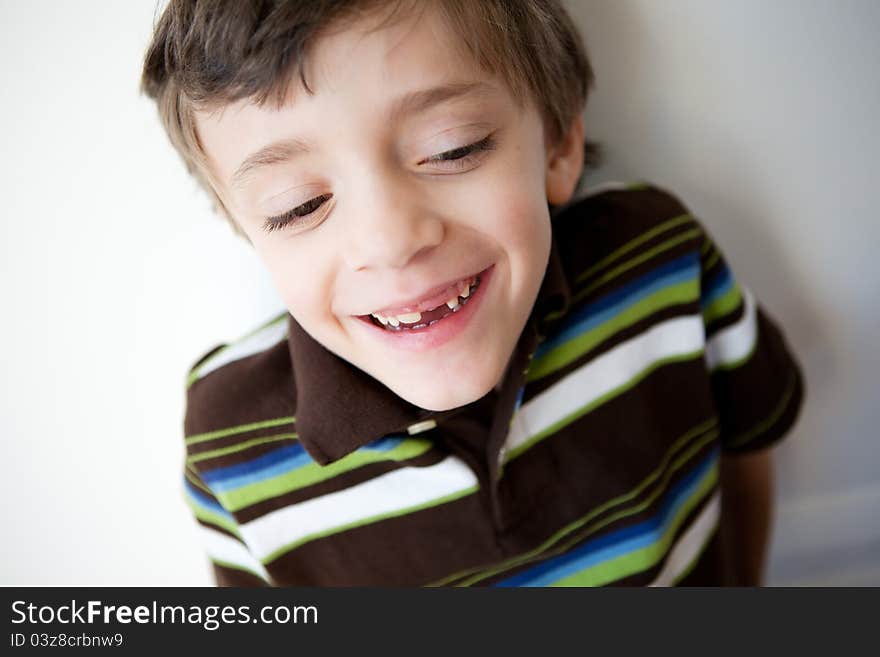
(411, 318)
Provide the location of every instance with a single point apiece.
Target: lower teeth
(461, 304)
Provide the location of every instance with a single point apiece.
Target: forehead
(415, 43)
(354, 69)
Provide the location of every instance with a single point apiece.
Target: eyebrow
(410, 103)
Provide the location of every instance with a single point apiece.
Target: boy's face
(384, 222)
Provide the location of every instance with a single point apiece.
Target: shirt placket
(509, 400)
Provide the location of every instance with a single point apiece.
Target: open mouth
(458, 297)
(420, 320)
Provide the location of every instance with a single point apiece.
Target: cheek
(519, 215)
(519, 220)
(300, 284)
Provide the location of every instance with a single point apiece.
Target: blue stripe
(619, 542)
(717, 287)
(385, 444)
(519, 398)
(275, 463)
(676, 271)
(203, 501)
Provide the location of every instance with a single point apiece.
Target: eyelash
(459, 157)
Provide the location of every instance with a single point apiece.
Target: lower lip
(439, 333)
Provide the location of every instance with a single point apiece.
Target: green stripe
(571, 350)
(195, 373)
(372, 519)
(583, 410)
(312, 473)
(242, 428)
(240, 447)
(632, 244)
(634, 262)
(648, 556)
(723, 305)
(694, 440)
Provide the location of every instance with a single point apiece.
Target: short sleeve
(756, 381)
(232, 562)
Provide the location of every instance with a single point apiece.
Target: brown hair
(206, 54)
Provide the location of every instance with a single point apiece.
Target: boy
(463, 391)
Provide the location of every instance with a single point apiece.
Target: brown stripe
(789, 410)
(210, 445)
(224, 576)
(750, 394)
(562, 472)
(710, 570)
(631, 445)
(251, 389)
(614, 219)
(710, 272)
(589, 532)
(217, 528)
(409, 550)
(243, 455)
(691, 245)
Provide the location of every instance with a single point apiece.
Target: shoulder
(246, 380)
(621, 211)
(621, 228)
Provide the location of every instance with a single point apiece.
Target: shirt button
(419, 427)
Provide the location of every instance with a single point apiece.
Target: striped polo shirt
(595, 462)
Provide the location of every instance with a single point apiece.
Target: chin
(446, 397)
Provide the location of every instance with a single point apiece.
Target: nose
(392, 224)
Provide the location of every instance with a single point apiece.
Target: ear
(565, 162)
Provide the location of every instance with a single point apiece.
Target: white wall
(764, 117)
(115, 275)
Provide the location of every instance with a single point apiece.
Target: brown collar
(340, 408)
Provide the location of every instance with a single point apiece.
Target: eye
(295, 216)
(460, 158)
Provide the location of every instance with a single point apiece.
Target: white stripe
(690, 544)
(222, 547)
(735, 341)
(252, 344)
(388, 493)
(675, 337)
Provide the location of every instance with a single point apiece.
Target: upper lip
(431, 298)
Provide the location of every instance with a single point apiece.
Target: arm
(747, 512)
